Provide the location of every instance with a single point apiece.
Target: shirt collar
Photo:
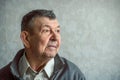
(49, 67)
(24, 65)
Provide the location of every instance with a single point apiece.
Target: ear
(25, 38)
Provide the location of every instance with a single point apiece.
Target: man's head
(40, 33)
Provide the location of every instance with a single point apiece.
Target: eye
(45, 30)
(57, 30)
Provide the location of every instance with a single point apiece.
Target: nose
(54, 36)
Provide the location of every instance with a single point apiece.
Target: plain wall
(90, 32)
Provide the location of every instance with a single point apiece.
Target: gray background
(90, 33)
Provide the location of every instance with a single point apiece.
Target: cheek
(35, 43)
(43, 42)
(59, 40)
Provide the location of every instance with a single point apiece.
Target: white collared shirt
(27, 73)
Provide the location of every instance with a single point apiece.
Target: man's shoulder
(70, 64)
(5, 68)
(5, 72)
(72, 69)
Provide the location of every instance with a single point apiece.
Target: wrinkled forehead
(44, 21)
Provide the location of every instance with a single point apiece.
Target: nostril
(53, 39)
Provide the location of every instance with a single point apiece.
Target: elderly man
(40, 34)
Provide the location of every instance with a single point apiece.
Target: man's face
(45, 40)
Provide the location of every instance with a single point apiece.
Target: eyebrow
(49, 26)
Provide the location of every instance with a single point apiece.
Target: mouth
(52, 46)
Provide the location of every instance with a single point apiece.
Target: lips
(52, 44)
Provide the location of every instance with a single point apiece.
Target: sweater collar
(59, 63)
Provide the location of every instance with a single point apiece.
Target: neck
(36, 63)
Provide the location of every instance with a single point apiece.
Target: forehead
(44, 21)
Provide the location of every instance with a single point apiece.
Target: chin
(50, 55)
